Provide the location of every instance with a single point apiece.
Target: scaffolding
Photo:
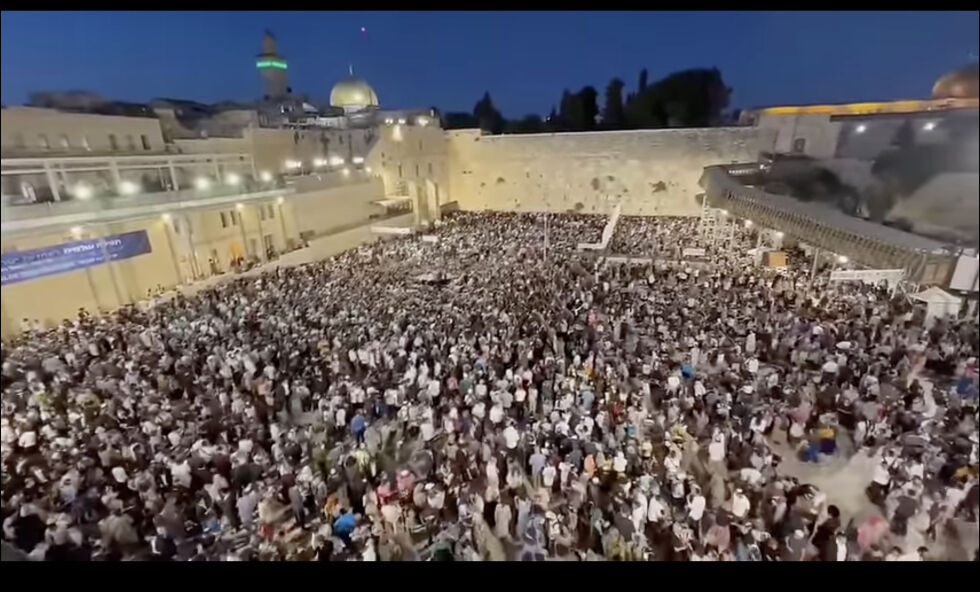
(715, 225)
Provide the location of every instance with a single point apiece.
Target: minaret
(273, 68)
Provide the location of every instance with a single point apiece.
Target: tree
(566, 110)
(530, 124)
(577, 112)
(459, 120)
(489, 119)
(689, 98)
(642, 84)
(640, 112)
(588, 108)
(613, 116)
(551, 123)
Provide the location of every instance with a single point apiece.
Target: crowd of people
(538, 404)
(663, 237)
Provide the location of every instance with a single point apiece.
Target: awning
(392, 201)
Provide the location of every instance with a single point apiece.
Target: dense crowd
(483, 397)
(662, 237)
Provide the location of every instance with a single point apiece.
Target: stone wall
(650, 172)
(412, 161)
(314, 213)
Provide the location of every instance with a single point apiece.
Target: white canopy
(939, 303)
(936, 295)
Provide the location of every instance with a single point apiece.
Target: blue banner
(20, 266)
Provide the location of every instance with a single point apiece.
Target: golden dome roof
(958, 84)
(353, 93)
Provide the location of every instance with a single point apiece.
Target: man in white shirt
(716, 450)
(511, 437)
(740, 504)
(880, 480)
(428, 430)
(496, 414)
(548, 476)
(619, 462)
(695, 507)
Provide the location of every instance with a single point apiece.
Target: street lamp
(128, 188)
(82, 191)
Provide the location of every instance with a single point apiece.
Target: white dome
(353, 94)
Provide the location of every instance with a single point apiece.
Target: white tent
(939, 303)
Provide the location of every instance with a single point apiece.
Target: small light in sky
(363, 29)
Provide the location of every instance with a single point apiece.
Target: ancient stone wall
(650, 172)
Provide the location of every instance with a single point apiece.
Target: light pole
(547, 216)
(813, 268)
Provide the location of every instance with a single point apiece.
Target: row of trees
(689, 98)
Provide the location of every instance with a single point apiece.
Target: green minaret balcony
(275, 64)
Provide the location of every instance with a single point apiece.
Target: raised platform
(925, 260)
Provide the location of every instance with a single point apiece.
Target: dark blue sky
(447, 59)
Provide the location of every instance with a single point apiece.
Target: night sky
(447, 59)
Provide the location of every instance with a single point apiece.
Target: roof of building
(955, 90)
(353, 92)
(873, 108)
